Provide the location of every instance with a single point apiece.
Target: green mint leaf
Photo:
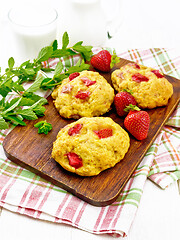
(27, 114)
(39, 110)
(17, 87)
(47, 69)
(4, 91)
(43, 127)
(11, 103)
(7, 83)
(44, 54)
(29, 71)
(80, 66)
(24, 64)
(65, 40)
(15, 119)
(85, 51)
(36, 84)
(58, 69)
(26, 101)
(13, 106)
(50, 83)
(40, 102)
(78, 43)
(3, 123)
(55, 45)
(2, 103)
(63, 53)
(29, 95)
(60, 78)
(11, 62)
(47, 83)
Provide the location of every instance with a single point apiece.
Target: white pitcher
(87, 21)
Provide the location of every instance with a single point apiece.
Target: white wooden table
(145, 24)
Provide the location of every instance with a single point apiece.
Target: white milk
(33, 29)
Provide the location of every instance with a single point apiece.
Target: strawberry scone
(84, 94)
(149, 86)
(90, 145)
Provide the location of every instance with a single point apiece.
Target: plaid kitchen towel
(24, 192)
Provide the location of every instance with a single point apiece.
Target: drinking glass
(33, 27)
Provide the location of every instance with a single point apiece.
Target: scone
(87, 95)
(90, 145)
(149, 86)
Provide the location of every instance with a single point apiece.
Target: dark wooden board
(24, 146)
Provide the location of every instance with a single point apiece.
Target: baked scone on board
(90, 145)
(149, 86)
(86, 95)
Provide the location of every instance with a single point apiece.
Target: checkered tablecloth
(24, 192)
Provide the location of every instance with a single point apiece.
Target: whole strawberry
(104, 61)
(137, 123)
(122, 100)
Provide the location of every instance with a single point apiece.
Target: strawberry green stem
(132, 108)
(114, 59)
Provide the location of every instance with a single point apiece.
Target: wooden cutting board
(31, 150)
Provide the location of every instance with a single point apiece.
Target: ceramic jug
(87, 21)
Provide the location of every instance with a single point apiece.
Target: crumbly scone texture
(97, 154)
(99, 99)
(149, 94)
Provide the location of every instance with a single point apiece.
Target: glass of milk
(34, 28)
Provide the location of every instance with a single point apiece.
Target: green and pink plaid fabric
(24, 192)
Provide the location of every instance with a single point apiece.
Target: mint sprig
(43, 127)
(65, 51)
(26, 103)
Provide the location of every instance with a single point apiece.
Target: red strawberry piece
(74, 160)
(101, 61)
(67, 88)
(87, 81)
(157, 73)
(137, 123)
(123, 100)
(74, 130)
(134, 65)
(137, 77)
(82, 94)
(73, 75)
(104, 133)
